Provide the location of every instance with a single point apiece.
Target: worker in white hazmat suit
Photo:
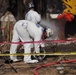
(25, 31)
(32, 15)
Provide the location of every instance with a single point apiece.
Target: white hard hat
(31, 5)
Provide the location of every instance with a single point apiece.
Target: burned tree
(4, 4)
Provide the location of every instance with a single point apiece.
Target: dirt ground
(20, 68)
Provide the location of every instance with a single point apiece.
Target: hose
(52, 63)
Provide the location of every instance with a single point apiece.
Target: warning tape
(45, 41)
(5, 28)
(56, 41)
(56, 53)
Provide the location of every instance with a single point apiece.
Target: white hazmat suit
(25, 30)
(33, 16)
